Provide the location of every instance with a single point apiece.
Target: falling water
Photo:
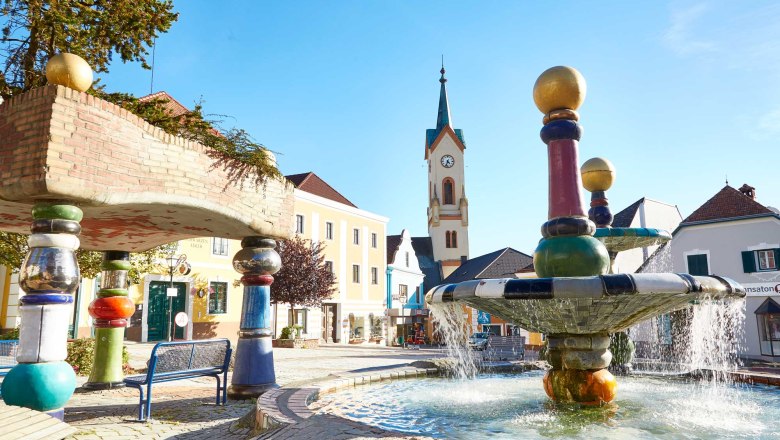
(451, 327)
(702, 339)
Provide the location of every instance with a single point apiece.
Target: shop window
(217, 298)
(761, 260)
(219, 246)
(768, 317)
(697, 264)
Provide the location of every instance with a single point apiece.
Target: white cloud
(681, 35)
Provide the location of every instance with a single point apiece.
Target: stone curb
(289, 405)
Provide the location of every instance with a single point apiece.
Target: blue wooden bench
(8, 351)
(183, 360)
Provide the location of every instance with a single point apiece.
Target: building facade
(405, 298)
(735, 236)
(355, 248)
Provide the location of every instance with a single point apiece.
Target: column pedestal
(253, 372)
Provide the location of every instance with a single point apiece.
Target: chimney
(748, 191)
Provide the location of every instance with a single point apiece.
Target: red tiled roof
(313, 184)
(174, 107)
(727, 203)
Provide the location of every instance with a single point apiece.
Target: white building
(405, 294)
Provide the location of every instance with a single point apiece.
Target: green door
(157, 318)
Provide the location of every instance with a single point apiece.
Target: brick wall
(138, 186)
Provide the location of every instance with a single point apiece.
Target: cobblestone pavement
(186, 409)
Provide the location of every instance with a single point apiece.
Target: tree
(304, 279)
(13, 249)
(32, 31)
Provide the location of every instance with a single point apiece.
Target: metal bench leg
(141, 404)
(148, 403)
(219, 388)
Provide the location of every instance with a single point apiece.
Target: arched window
(454, 239)
(447, 239)
(447, 189)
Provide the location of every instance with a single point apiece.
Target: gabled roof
(727, 203)
(768, 307)
(393, 243)
(423, 248)
(172, 106)
(624, 218)
(503, 263)
(313, 184)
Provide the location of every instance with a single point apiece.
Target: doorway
(157, 317)
(329, 323)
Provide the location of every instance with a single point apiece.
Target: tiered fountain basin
(623, 239)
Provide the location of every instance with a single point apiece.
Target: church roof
(313, 184)
(443, 118)
(503, 263)
(727, 203)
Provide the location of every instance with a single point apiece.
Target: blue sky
(680, 95)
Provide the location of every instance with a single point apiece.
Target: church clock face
(447, 161)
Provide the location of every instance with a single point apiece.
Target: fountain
(575, 301)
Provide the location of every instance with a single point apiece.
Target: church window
(449, 198)
(451, 239)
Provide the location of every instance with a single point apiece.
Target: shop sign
(762, 289)
(483, 317)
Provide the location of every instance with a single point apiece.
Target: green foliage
(287, 332)
(13, 335)
(13, 250)
(233, 149)
(32, 31)
(81, 353)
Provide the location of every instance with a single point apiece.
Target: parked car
(479, 341)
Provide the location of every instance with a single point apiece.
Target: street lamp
(174, 263)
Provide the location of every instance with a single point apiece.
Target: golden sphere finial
(559, 87)
(597, 174)
(69, 70)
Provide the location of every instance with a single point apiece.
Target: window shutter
(749, 261)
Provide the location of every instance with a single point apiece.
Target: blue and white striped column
(49, 276)
(253, 373)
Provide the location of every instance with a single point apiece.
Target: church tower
(448, 218)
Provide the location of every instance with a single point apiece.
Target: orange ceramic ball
(587, 387)
(112, 307)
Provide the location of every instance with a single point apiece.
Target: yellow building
(355, 248)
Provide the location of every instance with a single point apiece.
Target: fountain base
(587, 387)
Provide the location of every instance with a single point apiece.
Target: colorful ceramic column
(568, 248)
(597, 177)
(110, 311)
(253, 373)
(49, 276)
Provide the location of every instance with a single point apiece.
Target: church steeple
(443, 118)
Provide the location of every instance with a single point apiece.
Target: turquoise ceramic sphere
(42, 387)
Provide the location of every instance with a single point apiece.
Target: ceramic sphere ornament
(69, 70)
(559, 87)
(597, 174)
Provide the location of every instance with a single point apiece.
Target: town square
(347, 220)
